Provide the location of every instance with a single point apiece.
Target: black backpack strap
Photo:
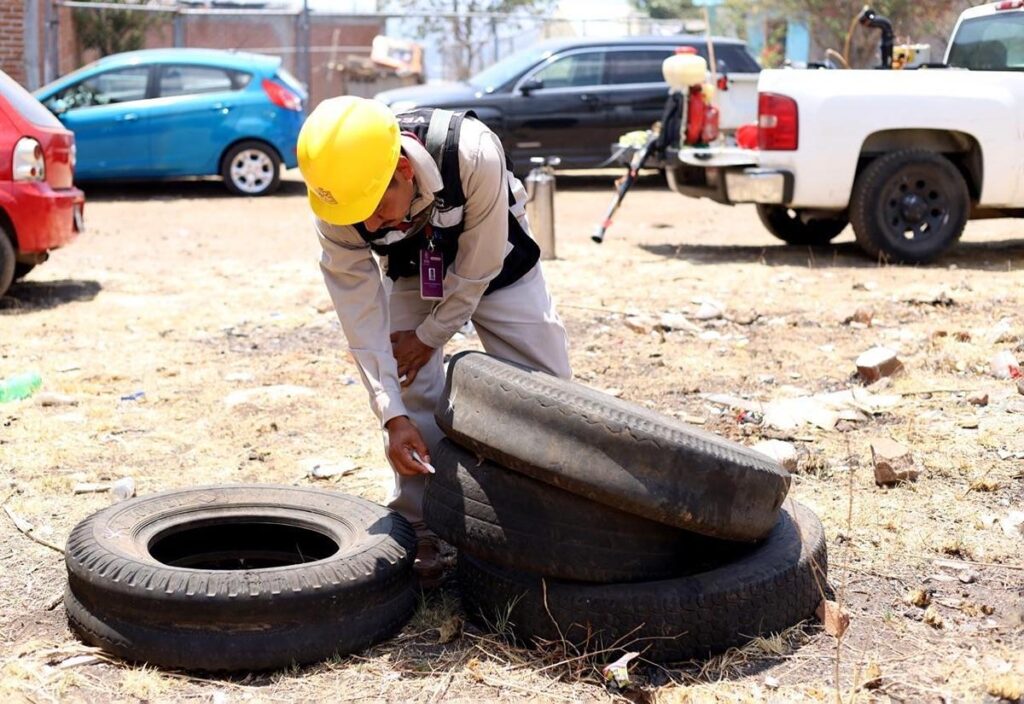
(442, 142)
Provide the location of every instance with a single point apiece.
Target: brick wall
(12, 38)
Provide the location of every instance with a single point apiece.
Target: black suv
(571, 98)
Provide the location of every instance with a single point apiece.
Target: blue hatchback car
(166, 113)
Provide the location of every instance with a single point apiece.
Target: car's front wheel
(790, 225)
(251, 168)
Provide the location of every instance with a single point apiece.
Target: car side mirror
(531, 84)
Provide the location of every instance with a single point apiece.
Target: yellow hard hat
(348, 150)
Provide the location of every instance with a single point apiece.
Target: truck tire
(22, 270)
(909, 206)
(509, 519)
(242, 577)
(6, 260)
(773, 586)
(608, 450)
(787, 224)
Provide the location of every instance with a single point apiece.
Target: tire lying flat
(210, 616)
(770, 588)
(507, 518)
(610, 451)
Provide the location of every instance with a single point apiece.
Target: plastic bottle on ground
(19, 386)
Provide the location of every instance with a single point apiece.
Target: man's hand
(404, 438)
(410, 353)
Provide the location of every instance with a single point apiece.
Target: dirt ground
(187, 295)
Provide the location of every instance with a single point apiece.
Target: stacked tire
(584, 518)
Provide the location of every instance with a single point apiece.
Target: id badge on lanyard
(431, 269)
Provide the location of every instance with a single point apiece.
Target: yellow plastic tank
(684, 70)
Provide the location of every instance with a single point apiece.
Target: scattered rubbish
(821, 410)
(1013, 524)
(833, 618)
(642, 324)
(861, 316)
(19, 386)
(876, 363)
(134, 396)
(771, 682)
(69, 368)
(893, 462)
(708, 309)
(872, 676)
(280, 392)
(933, 618)
(52, 398)
(123, 488)
(1002, 332)
(669, 322)
(91, 487)
(239, 376)
(919, 597)
(320, 468)
(1004, 365)
(78, 661)
(618, 672)
(749, 418)
(938, 298)
(968, 576)
(968, 423)
(784, 453)
(979, 398)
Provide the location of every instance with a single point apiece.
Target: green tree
(466, 28)
(832, 22)
(113, 31)
(664, 9)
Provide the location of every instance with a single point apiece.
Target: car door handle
(589, 99)
(128, 117)
(222, 108)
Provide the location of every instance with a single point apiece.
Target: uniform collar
(427, 176)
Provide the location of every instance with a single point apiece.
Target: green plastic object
(19, 386)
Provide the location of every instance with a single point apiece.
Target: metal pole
(51, 61)
(31, 62)
(305, 68)
(179, 28)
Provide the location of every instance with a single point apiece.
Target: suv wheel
(910, 205)
(789, 225)
(251, 168)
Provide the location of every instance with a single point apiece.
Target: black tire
(507, 518)
(788, 225)
(22, 270)
(7, 263)
(132, 592)
(251, 168)
(773, 586)
(912, 191)
(608, 450)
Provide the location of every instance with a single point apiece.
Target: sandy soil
(187, 295)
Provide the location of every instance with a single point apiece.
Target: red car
(40, 209)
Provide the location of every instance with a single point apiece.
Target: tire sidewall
(820, 231)
(234, 151)
(878, 181)
(7, 257)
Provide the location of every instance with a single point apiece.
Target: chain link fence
(330, 51)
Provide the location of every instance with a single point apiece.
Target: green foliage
(466, 35)
(832, 25)
(113, 31)
(664, 9)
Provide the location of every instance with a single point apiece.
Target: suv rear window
(27, 106)
(992, 43)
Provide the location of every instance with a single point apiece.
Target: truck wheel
(22, 270)
(6, 261)
(251, 168)
(788, 225)
(910, 206)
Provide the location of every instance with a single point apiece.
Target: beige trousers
(517, 323)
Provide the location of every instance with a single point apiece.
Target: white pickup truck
(905, 156)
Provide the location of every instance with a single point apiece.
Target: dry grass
(192, 296)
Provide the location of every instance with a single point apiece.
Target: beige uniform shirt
(354, 276)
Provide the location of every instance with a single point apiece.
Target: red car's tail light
(777, 122)
(281, 96)
(28, 162)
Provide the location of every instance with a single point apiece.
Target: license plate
(78, 218)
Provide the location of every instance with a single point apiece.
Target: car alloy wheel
(252, 171)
